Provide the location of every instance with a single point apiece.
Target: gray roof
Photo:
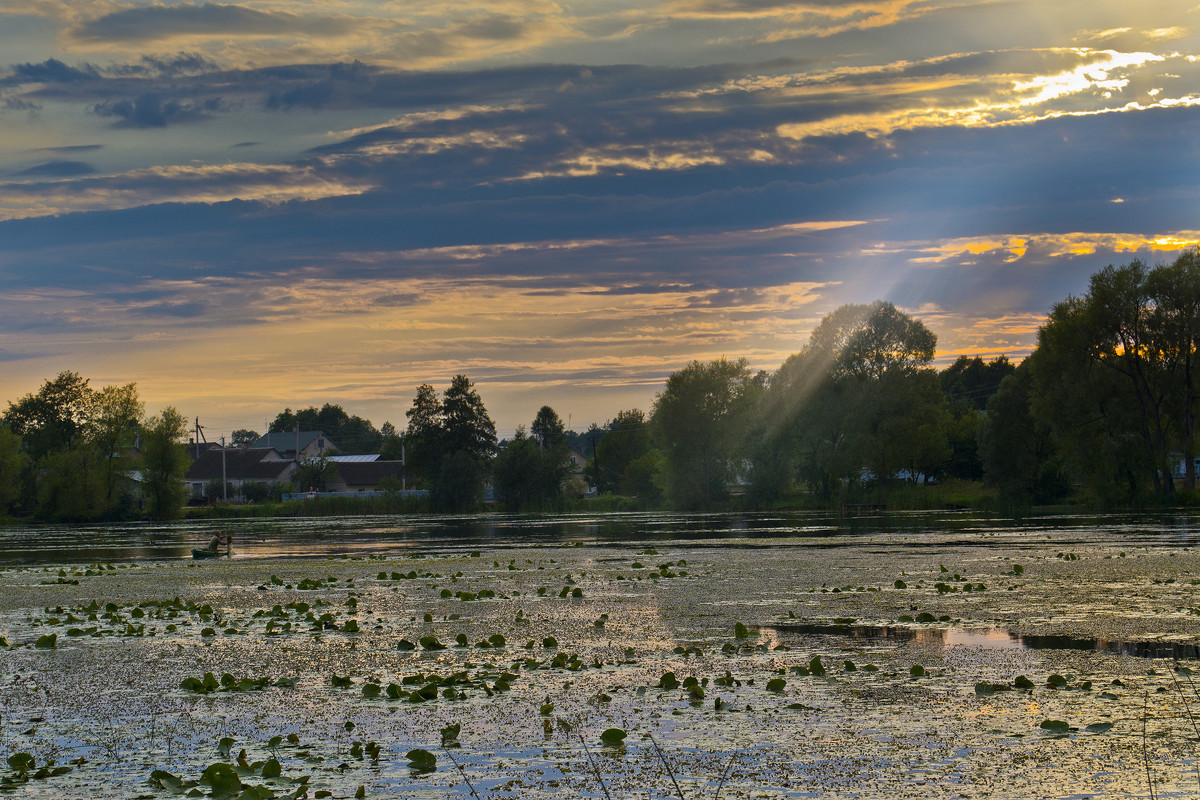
(366, 473)
(285, 441)
(241, 464)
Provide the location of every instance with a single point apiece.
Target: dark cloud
(212, 19)
(51, 71)
(72, 148)
(154, 111)
(726, 298)
(179, 64)
(59, 169)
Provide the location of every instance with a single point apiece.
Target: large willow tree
(860, 396)
(1115, 377)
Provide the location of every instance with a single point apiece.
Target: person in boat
(220, 539)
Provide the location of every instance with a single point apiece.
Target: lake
(759, 655)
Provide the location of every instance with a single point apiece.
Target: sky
(255, 205)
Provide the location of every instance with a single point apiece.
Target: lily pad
(613, 737)
(421, 760)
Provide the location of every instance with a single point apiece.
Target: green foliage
(314, 472)
(421, 760)
(529, 470)
(12, 466)
(700, 419)
(613, 737)
(243, 437)
(450, 443)
(859, 396)
(164, 463)
(625, 443)
(971, 382)
(1016, 450)
(53, 419)
(352, 434)
(1115, 378)
(70, 485)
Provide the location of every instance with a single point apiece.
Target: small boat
(198, 554)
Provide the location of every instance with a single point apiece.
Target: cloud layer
(566, 203)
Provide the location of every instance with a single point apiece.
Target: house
(298, 445)
(578, 461)
(240, 466)
(364, 476)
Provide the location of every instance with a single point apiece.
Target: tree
(1175, 323)
(532, 470)
(701, 418)
(423, 437)
(860, 395)
(627, 439)
(164, 464)
(112, 430)
(1115, 377)
(466, 426)
(547, 428)
(70, 485)
(1017, 453)
(392, 446)
(468, 444)
(53, 419)
(516, 472)
(243, 437)
(643, 478)
(12, 465)
(352, 434)
(312, 474)
(971, 381)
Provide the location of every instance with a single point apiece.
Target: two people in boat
(221, 539)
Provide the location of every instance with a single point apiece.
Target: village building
(238, 466)
(298, 445)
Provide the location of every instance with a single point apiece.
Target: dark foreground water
(326, 536)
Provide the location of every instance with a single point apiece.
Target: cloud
(58, 169)
(144, 187)
(51, 71)
(73, 148)
(172, 66)
(189, 20)
(153, 111)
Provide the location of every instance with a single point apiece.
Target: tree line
(1105, 405)
(71, 452)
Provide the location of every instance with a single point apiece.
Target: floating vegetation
(807, 666)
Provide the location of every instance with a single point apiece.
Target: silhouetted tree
(701, 418)
(164, 463)
(626, 440)
(243, 437)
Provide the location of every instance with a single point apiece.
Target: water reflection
(994, 638)
(255, 538)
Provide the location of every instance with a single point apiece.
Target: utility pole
(224, 484)
(199, 435)
(403, 468)
(596, 464)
